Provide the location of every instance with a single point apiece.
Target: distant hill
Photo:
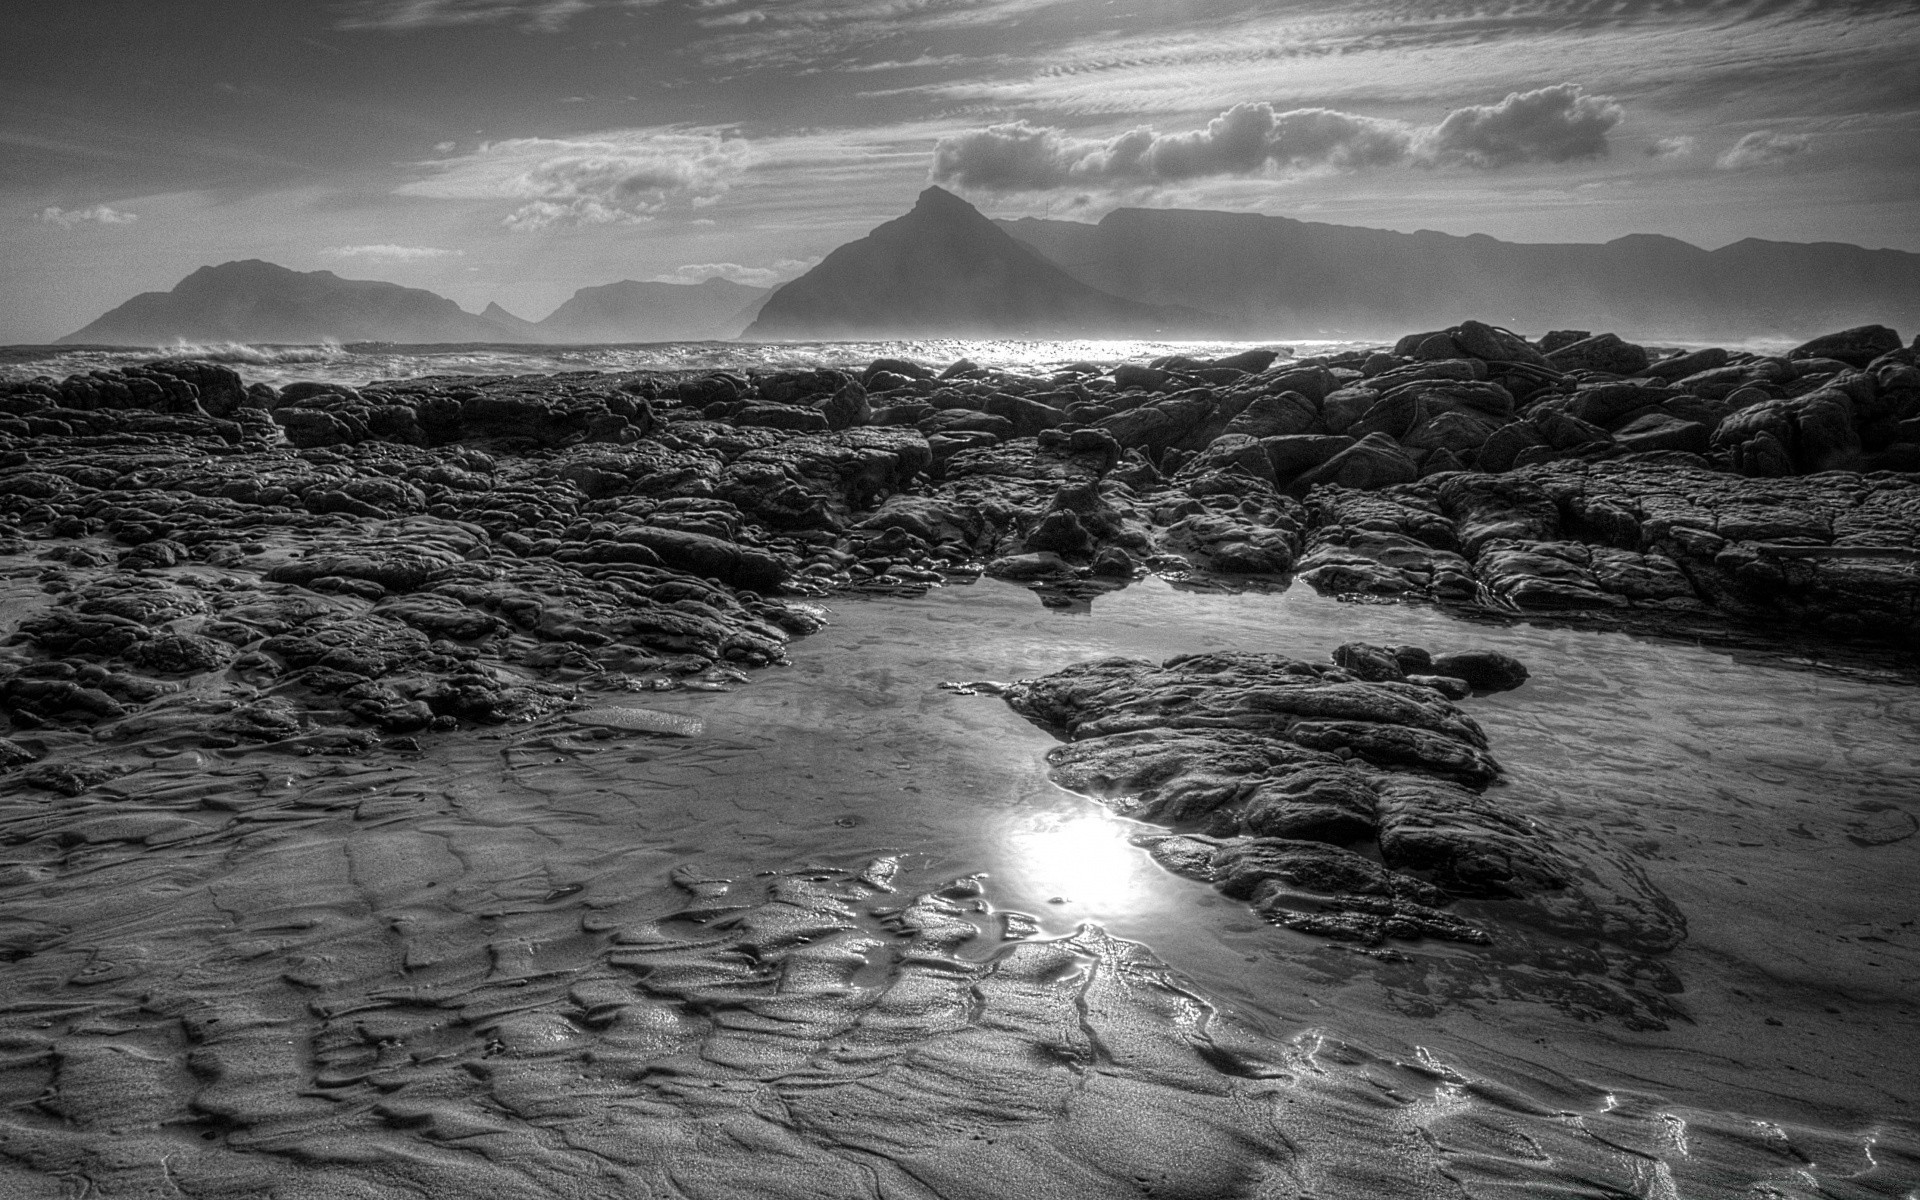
(630, 311)
(944, 270)
(255, 301)
(1273, 276)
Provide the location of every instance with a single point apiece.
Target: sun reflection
(1080, 859)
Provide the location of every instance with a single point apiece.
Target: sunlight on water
(1085, 859)
(363, 362)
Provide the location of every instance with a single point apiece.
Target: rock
(1658, 431)
(1374, 461)
(1374, 664)
(1681, 365)
(1251, 361)
(1606, 353)
(1792, 435)
(1276, 415)
(1290, 455)
(1062, 533)
(1484, 670)
(710, 556)
(1451, 687)
(1145, 378)
(1039, 565)
(847, 407)
(1345, 406)
(894, 366)
(1265, 768)
(1560, 339)
(1492, 344)
(783, 416)
(1855, 347)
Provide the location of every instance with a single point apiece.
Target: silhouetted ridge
(1275, 275)
(255, 301)
(633, 311)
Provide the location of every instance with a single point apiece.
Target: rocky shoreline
(243, 622)
(409, 556)
(321, 567)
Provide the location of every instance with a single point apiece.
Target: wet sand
(460, 971)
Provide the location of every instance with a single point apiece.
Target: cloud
(1671, 147)
(621, 177)
(537, 16)
(1552, 124)
(1764, 148)
(783, 269)
(99, 214)
(391, 253)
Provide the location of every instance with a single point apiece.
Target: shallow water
(1745, 788)
(287, 895)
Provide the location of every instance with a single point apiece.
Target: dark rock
(1792, 435)
(895, 366)
(1606, 353)
(1485, 670)
(1374, 664)
(1560, 339)
(1276, 415)
(1374, 461)
(847, 407)
(1855, 347)
(1658, 431)
(783, 416)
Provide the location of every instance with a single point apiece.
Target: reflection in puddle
(1084, 859)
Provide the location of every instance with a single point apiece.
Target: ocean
(358, 363)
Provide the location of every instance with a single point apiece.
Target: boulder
(1276, 414)
(1659, 431)
(1561, 338)
(1485, 670)
(847, 407)
(1687, 362)
(1605, 352)
(1855, 347)
(1291, 454)
(1791, 435)
(1375, 461)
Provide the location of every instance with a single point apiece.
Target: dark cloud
(1551, 124)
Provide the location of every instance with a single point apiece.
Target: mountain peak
(938, 201)
(945, 270)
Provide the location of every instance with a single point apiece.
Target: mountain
(1274, 276)
(254, 301)
(631, 311)
(528, 331)
(944, 270)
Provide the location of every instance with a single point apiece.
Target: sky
(515, 150)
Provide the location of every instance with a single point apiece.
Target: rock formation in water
(254, 301)
(944, 270)
(630, 311)
(1264, 275)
